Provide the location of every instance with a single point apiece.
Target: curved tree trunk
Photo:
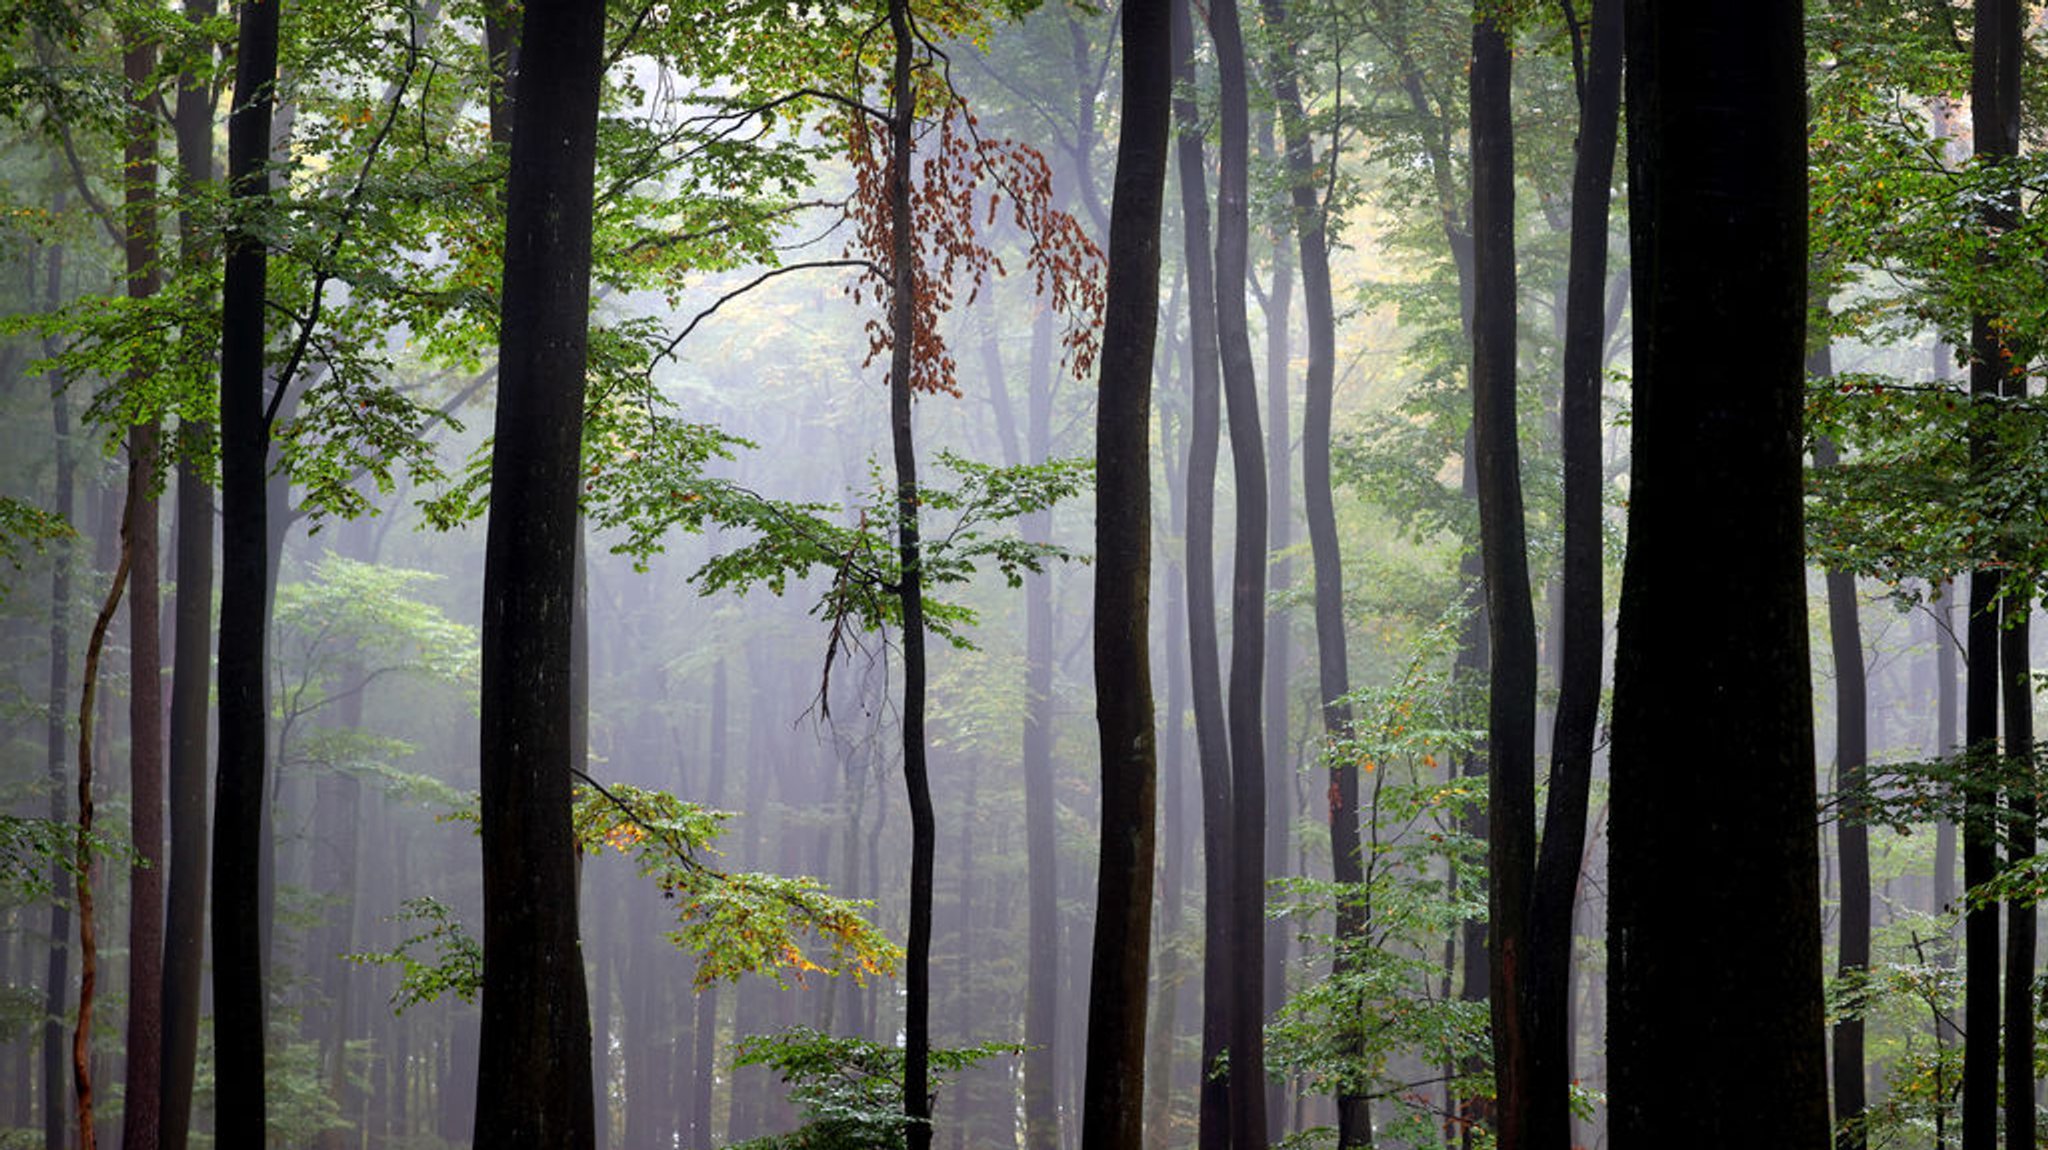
(57, 970)
(1212, 747)
(1247, 589)
(1558, 861)
(1113, 1100)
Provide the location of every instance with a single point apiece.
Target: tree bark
(534, 1074)
(1511, 621)
(1554, 897)
(1995, 103)
(1212, 747)
(57, 970)
(1113, 1100)
(141, 1106)
(238, 974)
(191, 673)
(88, 928)
(1247, 1073)
(1852, 833)
(1717, 179)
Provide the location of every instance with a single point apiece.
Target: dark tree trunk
(1558, 864)
(1852, 833)
(533, 1078)
(1113, 1101)
(57, 972)
(83, 1069)
(1212, 748)
(910, 588)
(1247, 1073)
(191, 674)
(1713, 723)
(141, 1107)
(1311, 226)
(238, 974)
(1511, 620)
(2017, 680)
(1280, 777)
(1995, 103)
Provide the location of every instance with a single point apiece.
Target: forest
(1473, 561)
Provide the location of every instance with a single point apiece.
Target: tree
(533, 1080)
(1554, 894)
(1212, 747)
(238, 974)
(1112, 1113)
(1246, 857)
(142, 1099)
(1504, 549)
(1994, 98)
(1713, 751)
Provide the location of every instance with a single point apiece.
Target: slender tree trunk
(1247, 1074)
(1311, 227)
(1713, 723)
(192, 674)
(534, 1074)
(1995, 103)
(2017, 680)
(141, 1106)
(1559, 861)
(238, 973)
(1212, 747)
(88, 929)
(1511, 720)
(910, 587)
(57, 972)
(1113, 1100)
(1852, 834)
(1279, 538)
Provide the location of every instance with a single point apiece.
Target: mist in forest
(1053, 577)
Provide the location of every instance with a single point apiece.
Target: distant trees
(1713, 749)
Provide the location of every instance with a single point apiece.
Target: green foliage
(26, 525)
(29, 847)
(456, 965)
(1423, 878)
(737, 923)
(849, 1089)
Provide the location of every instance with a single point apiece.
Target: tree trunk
(82, 1068)
(1555, 895)
(1995, 103)
(1852, 832)
(1113, 1101)
(1279, 303)
(1717, 180)
(1511, 622)
(910, 588)
(534, 1077)
(192, 673)
(1247, 1073)
(57, 972)
(141, 1107)
(1212, 748)
(238, 975)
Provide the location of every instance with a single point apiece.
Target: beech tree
(1113, 1107)
(1713, 747)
